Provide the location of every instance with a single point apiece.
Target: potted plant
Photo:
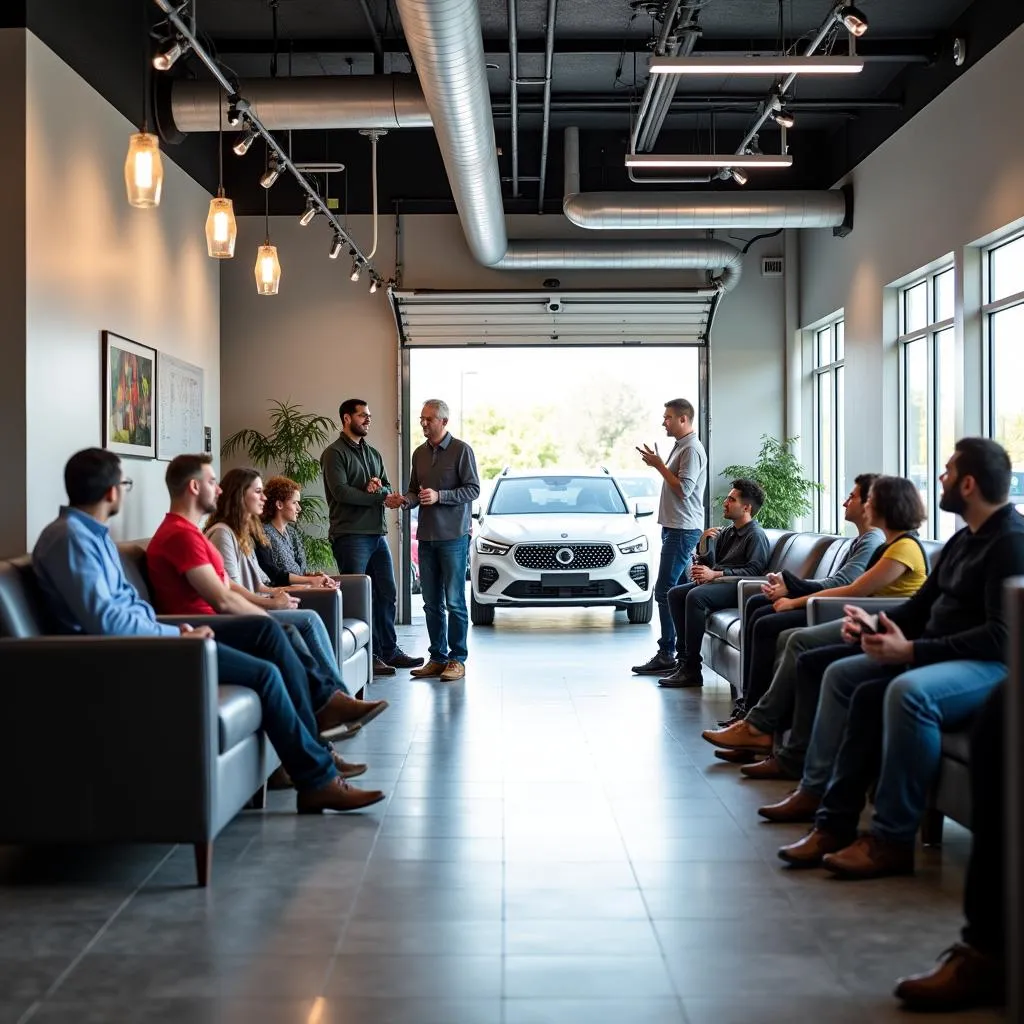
(287, 448)
(787, 490)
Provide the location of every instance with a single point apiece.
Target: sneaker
(402, 660)
(660, 665)
(382, 668)
(452, 671)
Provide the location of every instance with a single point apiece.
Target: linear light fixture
(756, 65)
(709, 160)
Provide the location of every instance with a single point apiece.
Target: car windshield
(538, 495)
(639, 486)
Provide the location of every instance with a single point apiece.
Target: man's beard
(209, 508)
(953, 501)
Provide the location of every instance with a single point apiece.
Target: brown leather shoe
(431, 669)
(452, 671)
(962, 979)
(871, 857)
(342, 712)
(337, 795)
(382, 668)
(769, 768)
(799, 806)
(347, 769)
(808, 851)
(737, 756)
(739, 736)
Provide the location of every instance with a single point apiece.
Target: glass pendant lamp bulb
(143, 171)
(267, 270)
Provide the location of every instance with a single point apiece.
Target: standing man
(357, 488)
(444, 482)
(681, 517)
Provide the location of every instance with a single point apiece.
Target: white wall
(951, 176)
(94, 263)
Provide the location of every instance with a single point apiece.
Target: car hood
(538, 529)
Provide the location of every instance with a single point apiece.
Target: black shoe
(402, 660)
(738, 713)
(382, 668)
(685, 676)
(660, 665)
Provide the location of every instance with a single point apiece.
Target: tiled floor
(559, 847)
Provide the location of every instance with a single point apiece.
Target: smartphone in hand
(869, 628)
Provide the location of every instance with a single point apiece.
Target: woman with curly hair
(282, 555)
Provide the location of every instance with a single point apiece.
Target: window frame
(834, 372)
(928, 332)
(989, 308)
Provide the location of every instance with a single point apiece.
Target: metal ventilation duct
(446, 46)
(361, 101)
(681, 211)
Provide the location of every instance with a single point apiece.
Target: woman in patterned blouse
(283, 558)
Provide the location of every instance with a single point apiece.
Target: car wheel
(480, 614)
(639, 613)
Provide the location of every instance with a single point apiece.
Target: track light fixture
(245, 141)
(738, 176)
(335, 248)
(234, 114)
(307, 218)
(373, 286)
(779, 114)
(356, 271)
(273, 171)
(166, 60)
(852, 19)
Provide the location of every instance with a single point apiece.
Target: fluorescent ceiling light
(756, 65)
(709, 160)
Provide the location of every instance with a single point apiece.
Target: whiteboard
(179, 407)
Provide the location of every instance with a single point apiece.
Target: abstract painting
(129, 396)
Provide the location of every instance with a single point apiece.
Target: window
(928, 389)
(1004, 330)
(829, 461)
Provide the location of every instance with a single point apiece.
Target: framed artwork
(129, 397)
(179, 407)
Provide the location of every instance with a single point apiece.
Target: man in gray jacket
(444, 483)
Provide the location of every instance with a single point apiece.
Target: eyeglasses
(127, 484)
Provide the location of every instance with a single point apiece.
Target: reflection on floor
(559, 847)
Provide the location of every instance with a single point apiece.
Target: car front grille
(526, 590)
(638, 574)
(486, 578)
(585, 556)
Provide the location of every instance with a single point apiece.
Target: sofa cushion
(354, 634)
(133, 559)
(22, 609)
(719, 623)
(957, 745)
(238, 715)
(832, 557)
(801, 553)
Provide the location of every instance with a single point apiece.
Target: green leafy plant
(286, 448)
(787, 490)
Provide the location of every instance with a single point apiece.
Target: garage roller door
(428, 318)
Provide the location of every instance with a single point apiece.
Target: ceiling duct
(446, 46)
(681, 211)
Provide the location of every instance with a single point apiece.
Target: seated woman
(235, 531)
(897, 568)
(283, 557)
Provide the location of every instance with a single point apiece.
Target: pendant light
(143, 169)
(268, 266)
(221, 230)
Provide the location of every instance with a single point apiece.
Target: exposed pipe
(653, 88)
(545, 132)
(375, 38)
(513, 79)
(359, 101)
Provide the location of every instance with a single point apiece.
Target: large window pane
(825, 445)
(915, 308)
(1006, 270)
(840, 340)
(841, 486)
(945, 355)
(944, 300)
(916, 390)
(1007, 339)
(823, 355)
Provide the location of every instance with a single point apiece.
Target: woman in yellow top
(898, 568)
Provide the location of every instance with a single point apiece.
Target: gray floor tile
(423, 977)
(582, 977)
(592, 1011)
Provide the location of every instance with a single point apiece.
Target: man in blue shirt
(82, 579)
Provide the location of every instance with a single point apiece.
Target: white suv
(560, 538)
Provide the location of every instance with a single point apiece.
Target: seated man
(84, 585)
(929, 665)
(738, 551)
(782, 603)
(896, 569)
(187, 575)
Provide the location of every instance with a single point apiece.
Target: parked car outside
(559, 538)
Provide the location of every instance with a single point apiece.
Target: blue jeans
(308, 635)
(255, 653)
(443, 582)
(369, 553)
(676, 548)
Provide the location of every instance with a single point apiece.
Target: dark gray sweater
(449, 469)
(742, 552)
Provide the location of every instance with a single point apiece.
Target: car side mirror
(642, 508)
(476, 515)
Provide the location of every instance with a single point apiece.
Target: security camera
(554, 305)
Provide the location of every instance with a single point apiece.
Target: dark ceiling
(600, 55)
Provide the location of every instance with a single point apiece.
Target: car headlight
(630, 547)
(491, 547)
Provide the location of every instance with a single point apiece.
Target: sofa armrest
(329, 605)
(830, 609)
(747, 588)
(143, 711)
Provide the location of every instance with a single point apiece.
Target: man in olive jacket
(357, 488)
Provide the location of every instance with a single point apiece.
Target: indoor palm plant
(286, 448)
(787, 490)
